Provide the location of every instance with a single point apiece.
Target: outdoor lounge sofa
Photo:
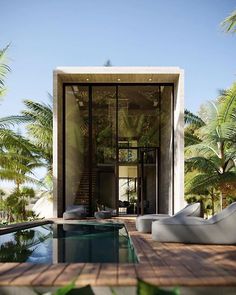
(144, 222)
(75, 212)
(104, 212)
(220, 229)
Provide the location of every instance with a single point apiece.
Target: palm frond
(190, 138)
(4, 69)
(201, 164)
(7, 122)
(9, 175)
(229, 23)
(190, 118)
(200, 182)
(9, 139)
(201, 149)
(227, 105)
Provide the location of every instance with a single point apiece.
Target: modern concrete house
(119, 139)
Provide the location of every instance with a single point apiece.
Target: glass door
(127, 180)
(148, 181)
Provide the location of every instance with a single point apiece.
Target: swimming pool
(57, 243)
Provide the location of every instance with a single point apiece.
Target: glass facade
(117, 139)
(76, 145)
(103, 146)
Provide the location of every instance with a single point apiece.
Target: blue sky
(46, 34)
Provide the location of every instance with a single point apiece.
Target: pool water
(55, 243)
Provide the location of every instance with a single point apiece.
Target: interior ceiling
(137, 96)
(118, 78)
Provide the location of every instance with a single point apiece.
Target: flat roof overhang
(118, 74)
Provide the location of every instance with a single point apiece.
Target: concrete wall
(179, 201)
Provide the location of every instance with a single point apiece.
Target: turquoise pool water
(56, 243)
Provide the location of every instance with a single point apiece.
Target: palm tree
(212, 159)
(4, 69)
(20, 197)
(18, 161)
(39, 119)
(229, 23)
(192, 123)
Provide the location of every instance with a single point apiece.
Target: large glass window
(76, 145)
(117, 138)
(138, 116)
(103, 145)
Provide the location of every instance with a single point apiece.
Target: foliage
(4, 69)
(39, 119)
(210, 159)
(145, 288)
(19, 156)
(15, 204)
(229, 23)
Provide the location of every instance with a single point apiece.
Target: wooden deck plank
(4, 267)
(108, 274)
(89, 274)
(7, 277)
(48, 277)
(70, 273)
(126, 274)
(29, 275)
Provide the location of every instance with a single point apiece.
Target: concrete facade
(171, 198)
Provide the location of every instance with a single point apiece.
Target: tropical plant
(192, 123)
(18, 159)
(229, 23)
(210, 161)
(18, 162)
(4, 69)
(143, 288)
(39, 125)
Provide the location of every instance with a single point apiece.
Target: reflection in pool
(54, 243)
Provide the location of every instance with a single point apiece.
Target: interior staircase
(82, 196)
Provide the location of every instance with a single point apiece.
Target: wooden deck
(163, 264)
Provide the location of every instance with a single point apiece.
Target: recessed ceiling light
(118, 79)
(150, 79)
(87, 79)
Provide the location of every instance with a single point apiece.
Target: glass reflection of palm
(21, 246)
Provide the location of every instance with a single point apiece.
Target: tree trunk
(201, 209)
(223, 200)
(212, 202)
